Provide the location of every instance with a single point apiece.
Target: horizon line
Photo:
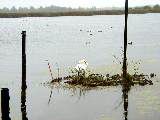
(77, 7)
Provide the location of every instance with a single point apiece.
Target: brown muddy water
(64, 41)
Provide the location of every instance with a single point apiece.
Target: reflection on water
(50, 96)
(80, 92)
(125, 90)
(23, 104)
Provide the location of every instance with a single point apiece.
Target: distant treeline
(52, 11)
(41, 9)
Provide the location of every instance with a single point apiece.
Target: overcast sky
(75, 3)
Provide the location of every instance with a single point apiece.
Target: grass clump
(94, 80)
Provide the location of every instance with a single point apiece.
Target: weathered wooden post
(24, 86)
(125, 41)
(5, 103)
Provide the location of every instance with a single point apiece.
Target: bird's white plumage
(82, 65)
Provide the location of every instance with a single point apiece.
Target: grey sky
(75, 3)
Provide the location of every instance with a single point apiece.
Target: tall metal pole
(125, 41)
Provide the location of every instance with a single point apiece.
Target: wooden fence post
(24, 86)
(24, 60)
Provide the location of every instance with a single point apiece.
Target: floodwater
(66, 40)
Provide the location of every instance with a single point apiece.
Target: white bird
(82, 65)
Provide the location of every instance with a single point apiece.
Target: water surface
(63, 41)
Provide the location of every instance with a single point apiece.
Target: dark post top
(6, 89)
(23, 32)
(23, 42)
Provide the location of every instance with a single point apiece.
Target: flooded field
(63, 41)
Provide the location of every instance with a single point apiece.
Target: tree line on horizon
(52, 11)
(55, 9)
(51, 8)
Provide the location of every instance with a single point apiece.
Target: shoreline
(59, 14)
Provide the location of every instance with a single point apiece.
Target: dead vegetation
(94, 80)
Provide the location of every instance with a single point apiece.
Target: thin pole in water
(24, 86)
(125, 41)
(125, 86)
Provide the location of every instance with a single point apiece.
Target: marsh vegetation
(52, 11)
